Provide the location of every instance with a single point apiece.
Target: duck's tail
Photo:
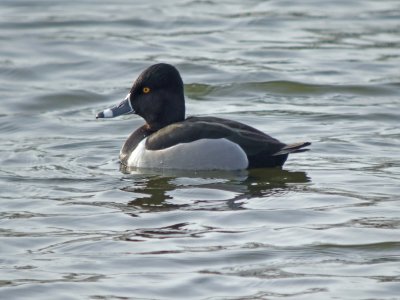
(293, 148)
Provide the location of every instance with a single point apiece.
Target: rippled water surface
(73, 225)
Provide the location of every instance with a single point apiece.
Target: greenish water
(75, 226)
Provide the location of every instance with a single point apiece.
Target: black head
(156, 95)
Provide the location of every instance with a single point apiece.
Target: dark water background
(73, 226)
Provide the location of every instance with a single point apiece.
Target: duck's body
(168, 140)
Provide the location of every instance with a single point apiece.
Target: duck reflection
(157, 190)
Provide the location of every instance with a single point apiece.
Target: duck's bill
(123, 108)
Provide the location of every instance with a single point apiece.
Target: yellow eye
(146, 90)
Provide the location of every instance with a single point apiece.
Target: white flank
(204, 154)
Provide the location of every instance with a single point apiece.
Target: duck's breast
(203, 154)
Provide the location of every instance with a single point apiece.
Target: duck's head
(156, 95)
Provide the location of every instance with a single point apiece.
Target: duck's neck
(171, 112)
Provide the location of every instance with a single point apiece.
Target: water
(75, 226)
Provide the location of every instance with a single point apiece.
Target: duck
(170, 140)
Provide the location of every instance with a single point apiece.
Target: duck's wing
(251, 140)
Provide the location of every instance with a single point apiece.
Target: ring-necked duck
(168, 140)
